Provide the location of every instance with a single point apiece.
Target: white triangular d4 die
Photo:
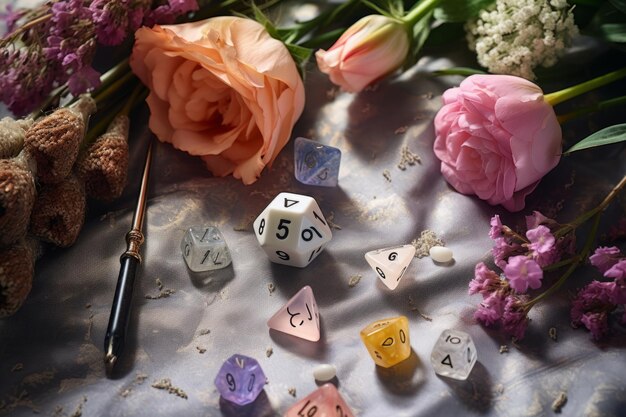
(390, 264)
(299, 316)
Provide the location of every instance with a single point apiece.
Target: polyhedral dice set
(292, 230)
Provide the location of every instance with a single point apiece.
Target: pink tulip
(496, 138)
(370, 49)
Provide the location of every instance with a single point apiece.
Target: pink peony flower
(368, 50)
(496, 138)
(222, 89)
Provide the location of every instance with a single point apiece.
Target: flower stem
(27, 26)
(599, 208)
(133, 99)
(571, 92)
(105, 93)
(421, 9)
(591, 109)
(583, 255)
(560, 264)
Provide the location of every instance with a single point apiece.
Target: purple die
(240, 379)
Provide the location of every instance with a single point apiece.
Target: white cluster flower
(515, 36)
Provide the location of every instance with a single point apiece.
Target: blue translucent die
(316, 164)
(240, 379)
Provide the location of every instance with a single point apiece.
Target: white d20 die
(390, 264)
(299, 316)
(292, 229)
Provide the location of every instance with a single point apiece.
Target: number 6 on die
(292, 229)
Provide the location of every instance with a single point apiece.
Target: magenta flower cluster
(60, 47)
(521, 259)
(594, 303)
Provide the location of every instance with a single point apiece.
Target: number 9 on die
(292, 230)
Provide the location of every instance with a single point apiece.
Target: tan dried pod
(12, 133)
(59, 212)
(17, 196)
(54, 140)
(104, 165)
(17, 267)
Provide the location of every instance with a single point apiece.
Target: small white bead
(324, 372)
(440, 254)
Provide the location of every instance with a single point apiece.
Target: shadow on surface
(475, 392)
(211, 281)
(405, 378)
(260, 407)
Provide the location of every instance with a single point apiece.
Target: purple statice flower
(618, 273)
(167, 13)
(490, 309)
(535, 219)
(83, 79)
(485, 281)
(523, 273)
(26, 78)
(515, 316)
(503, 249)
(9, 17)
(591, 306)
(597, 323)
(71, 43)
(136, 13)
(604, 258)
(496, 230)
(111, 18)
(542, 245)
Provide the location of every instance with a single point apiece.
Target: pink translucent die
(323, 402)
(299, 316)
(390, 264)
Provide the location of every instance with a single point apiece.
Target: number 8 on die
(292, 229)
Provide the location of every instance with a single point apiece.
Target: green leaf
(300, 54)
(460, 10)
(614, 32)
(619, 5)
(458, 71)
(594, 3)
(606, 136)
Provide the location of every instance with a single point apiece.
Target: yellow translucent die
(387, 340)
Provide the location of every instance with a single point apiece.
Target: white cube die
(205, 249)
(454, 354)
(292, 230)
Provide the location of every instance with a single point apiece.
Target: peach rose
(222, 89)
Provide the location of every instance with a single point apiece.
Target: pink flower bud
(368, 50)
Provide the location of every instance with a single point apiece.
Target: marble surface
(51, 351)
